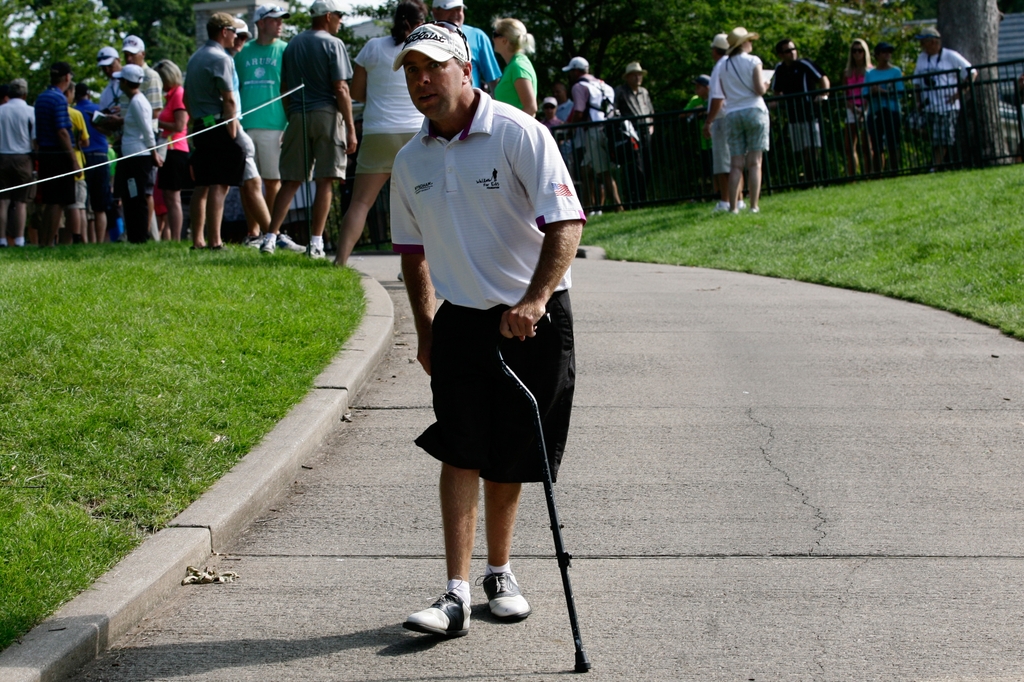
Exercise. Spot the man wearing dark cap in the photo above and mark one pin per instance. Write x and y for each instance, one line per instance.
(883, 88)
(939, 93)
(484, 214)
(57, 157)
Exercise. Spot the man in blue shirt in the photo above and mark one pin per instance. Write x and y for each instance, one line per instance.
(96, 179)
(485, 65)
(56, 152)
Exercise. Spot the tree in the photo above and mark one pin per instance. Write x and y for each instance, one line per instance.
(971, 27)
(72, 31)
(166, 26)
(671, 38)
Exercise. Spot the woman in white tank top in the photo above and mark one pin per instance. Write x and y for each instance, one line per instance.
(743, 84)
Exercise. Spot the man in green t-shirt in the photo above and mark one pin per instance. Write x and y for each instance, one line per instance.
(259, 80)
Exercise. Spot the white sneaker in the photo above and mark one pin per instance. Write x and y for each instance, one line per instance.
(269, 243)
(288, 244)
(756, 209)
(315, 252)
(448, 617)
(721, 206)
(741, 205)
(254, 242)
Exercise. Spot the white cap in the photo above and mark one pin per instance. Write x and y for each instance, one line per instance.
(322, 8)
(271, 11)
(131, 73)
(437, 42)
(549, 100)
(242, 28)
(577, 63)
(107, 56)
(448, 4)
(721, 41)
(133, 44)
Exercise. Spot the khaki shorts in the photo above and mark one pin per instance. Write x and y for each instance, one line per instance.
(325, 131)
(81, 194)
(377, 152)
(15, 169)
(595, 153)
(721, 160)
(268, 152)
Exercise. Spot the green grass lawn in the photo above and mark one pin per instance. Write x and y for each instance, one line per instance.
(953, 241)
(132, 378)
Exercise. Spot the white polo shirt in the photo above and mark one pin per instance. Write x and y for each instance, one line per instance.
(938, 88)
(17, 127)
(476, 205)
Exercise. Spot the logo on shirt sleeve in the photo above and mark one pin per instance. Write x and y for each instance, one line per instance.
(490, 182)
(561, 190)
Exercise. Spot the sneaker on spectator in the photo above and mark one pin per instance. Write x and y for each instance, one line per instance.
(251, 241)
(741, 205)
(755, 210)
(315, 252)
(504, 598)
(448, 617)
(721, 206)
(269, 243)
(287, 243)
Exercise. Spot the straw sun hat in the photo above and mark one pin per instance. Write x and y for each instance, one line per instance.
(738, 36)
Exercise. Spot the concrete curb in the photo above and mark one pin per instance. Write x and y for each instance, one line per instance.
(590, 252)
(119, 599)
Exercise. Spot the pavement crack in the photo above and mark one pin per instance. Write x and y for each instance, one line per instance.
(805, 499)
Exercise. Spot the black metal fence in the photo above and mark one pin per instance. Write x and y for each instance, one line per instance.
(916, 124)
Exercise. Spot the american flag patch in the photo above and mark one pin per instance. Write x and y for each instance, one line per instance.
(561, 190)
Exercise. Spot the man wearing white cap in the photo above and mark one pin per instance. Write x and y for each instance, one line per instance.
(592, 98)
(109, 62)
(259, 77)
(715, 125)
(242, 36)
(548, 107)
(485, 65)
(484, 215)
(318, 58)
(152, 87)
(939, 93)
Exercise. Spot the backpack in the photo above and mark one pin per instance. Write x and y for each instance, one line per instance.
(620, 134)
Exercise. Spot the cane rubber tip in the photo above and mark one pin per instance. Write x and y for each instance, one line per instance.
(582, 662)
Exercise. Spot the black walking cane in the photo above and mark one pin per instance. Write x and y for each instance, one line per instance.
(564, 558)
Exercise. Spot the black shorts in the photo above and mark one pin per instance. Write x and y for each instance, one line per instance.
(97, 180)
(54, 161)
(135, 177)
(483, 421)
(216, 158)
(174, 175)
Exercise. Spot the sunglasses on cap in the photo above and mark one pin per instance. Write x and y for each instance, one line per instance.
(454, 29)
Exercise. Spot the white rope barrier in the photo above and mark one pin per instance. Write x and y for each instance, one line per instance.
(162, 144)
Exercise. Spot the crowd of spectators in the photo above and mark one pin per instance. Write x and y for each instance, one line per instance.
(143, 117)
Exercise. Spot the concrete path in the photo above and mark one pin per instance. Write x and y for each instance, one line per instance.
(765, 480)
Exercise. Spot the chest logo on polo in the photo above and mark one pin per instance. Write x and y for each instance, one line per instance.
(490, 182)
(423, 188)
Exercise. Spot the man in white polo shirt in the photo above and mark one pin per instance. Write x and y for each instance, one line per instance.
(484, 214)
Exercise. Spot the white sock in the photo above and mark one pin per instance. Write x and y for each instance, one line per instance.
(506, 568)
(270, 236)
(3, 241)
(19, 241)
(318, 242)
(459, 587)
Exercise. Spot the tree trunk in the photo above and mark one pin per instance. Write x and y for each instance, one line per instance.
(971, 27)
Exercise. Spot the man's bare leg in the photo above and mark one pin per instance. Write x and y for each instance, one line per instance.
(215, 212)
(460, 492)
(256, 212)
(322, 204)
(501, 502)
(282, 202)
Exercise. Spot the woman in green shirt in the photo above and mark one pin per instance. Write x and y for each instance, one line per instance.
(518, 84)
